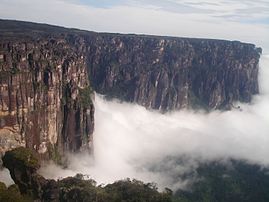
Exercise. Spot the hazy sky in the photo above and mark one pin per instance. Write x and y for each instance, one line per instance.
(245, 20)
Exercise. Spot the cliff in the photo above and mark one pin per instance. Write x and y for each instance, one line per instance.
(47, 74)
(173, 73)
(45, 99)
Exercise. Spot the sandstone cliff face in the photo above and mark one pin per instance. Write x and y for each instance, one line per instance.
(173, 73)
(42, 99)
(47, 73)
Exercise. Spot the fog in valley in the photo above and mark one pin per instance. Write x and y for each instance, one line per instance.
(131, 141)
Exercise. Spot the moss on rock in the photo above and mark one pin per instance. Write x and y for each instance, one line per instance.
(85, 96)
(23, 157)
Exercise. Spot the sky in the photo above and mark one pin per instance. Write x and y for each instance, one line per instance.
(243, 20)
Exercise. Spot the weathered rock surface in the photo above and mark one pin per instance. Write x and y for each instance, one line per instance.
(45, 73)
(173, 73)
(45, 101)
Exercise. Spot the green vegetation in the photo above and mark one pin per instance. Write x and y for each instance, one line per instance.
(136, 191)
(54, 154)
(119, 91)
(66, 98)
(197, 103)
(85, 96)
(14, 71)
(4, 75)
(21, 156)
(235, 182)
(12, 194)
(77, 189)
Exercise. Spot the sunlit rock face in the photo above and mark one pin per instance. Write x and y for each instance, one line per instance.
(47, 74)
(173, 73)
(42, 103)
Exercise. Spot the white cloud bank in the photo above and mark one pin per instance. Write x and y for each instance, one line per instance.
(131, 141)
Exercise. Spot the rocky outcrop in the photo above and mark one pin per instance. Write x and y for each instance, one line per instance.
(23, 166)
(172, 73)
(43, 101)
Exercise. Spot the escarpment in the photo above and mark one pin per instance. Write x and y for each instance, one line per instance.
(45, 101)
(47, 75)
(173, 73)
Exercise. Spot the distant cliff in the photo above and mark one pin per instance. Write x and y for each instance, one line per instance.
(47, 74)
(173, 73)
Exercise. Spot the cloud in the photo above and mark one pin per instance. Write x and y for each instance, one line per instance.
(130, 141)
(170, 6)
(242, 9)
(101, 3)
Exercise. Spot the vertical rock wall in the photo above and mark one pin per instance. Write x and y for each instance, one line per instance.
(43, 105)
(47, 74)
(172, 73)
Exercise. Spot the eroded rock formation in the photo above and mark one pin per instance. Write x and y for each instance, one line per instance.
(47, 74)
(173, 73)
(45, 101)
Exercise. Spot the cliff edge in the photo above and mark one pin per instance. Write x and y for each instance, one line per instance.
(48, 74)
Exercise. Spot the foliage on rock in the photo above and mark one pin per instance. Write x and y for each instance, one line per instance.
(236, 182)
(85, 96)
(75, 189)
(22, 158)
(12, 194)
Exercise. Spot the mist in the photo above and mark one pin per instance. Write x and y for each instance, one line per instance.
(131, 141)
